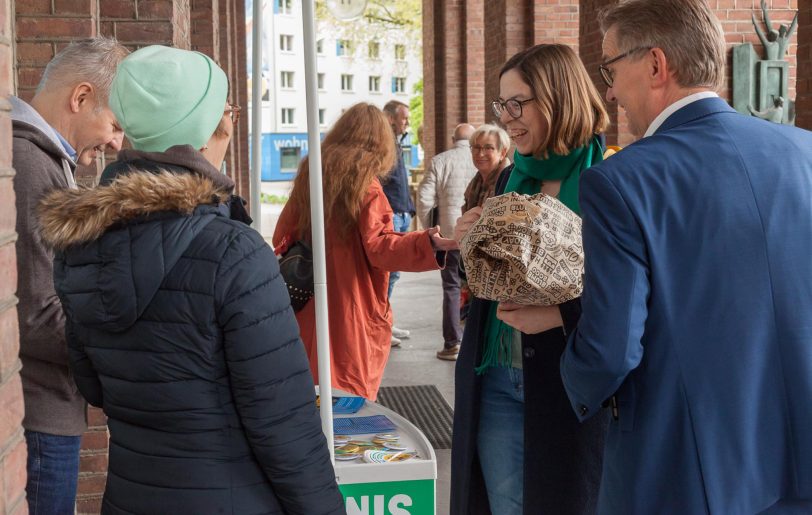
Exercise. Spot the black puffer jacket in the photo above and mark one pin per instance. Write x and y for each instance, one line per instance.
(180, 327)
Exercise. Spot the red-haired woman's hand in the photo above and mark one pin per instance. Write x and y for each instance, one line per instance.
(440, 243)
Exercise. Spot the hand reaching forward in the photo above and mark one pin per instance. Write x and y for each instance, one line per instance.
(465, 222)
(529, 319)
(440, 243)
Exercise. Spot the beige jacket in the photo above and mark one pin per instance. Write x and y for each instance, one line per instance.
(443, 186)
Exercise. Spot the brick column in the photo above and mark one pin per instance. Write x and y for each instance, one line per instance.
(138, 23)
(232, 58)
(477, 106)
(803, 102)
(12, 443)
(556, 22)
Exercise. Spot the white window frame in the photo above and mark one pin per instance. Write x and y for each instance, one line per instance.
(377, 82)
(347, 80)
(286, 42)
(288, 116)
(286, 79)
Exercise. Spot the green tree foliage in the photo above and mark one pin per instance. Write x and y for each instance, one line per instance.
(416, 110)
(383, 20)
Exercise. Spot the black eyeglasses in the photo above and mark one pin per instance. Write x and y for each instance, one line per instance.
(511, 105)
(233, 110)
(608, 75)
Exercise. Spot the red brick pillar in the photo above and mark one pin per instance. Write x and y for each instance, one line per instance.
(12, 443)
(477, 106)
(232, 59)
(556, 22)
(803, 102)
(138, 23)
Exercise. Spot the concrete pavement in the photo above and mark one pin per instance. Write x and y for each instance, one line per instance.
(416, 302)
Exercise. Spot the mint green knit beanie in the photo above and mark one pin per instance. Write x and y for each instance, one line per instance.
(166, 96)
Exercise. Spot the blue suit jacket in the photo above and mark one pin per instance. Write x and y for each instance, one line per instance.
(697, 313)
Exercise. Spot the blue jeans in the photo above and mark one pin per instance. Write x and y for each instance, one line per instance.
(500, 441)
(53, 473)
(402, 222)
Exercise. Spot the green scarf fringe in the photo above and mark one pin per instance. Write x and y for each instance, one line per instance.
(527, 177)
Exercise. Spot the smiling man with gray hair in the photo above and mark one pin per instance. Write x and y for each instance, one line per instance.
(696, 329)
(67, 122)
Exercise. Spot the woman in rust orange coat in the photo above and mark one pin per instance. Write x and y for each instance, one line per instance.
(362, 248)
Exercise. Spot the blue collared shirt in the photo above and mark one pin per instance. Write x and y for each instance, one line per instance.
(68, 148)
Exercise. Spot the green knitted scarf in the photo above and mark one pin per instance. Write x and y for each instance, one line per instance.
(527, 177)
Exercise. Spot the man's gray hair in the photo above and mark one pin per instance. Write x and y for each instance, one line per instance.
(502, 138)
(687, 32)
(91, 60)
(391, 107)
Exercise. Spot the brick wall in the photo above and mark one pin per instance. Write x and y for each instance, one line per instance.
(804, 71)
(512, 25)
(12, 443)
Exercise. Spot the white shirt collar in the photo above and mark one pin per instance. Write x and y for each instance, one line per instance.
(673, 108)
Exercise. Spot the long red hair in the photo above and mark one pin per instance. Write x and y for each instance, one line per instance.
(358, 149)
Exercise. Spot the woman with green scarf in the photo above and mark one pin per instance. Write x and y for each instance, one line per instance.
(518, 447)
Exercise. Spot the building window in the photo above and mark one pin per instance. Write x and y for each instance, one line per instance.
(289, 157)
(287, 116)
(287, 80)
(398, 84)
(320, 47)
(322, 116)
(374, 50)
(343, 47)
(286, 42)
(284, 6)
(374, 84)
(400, 52)
(320, 81)
(346, 82)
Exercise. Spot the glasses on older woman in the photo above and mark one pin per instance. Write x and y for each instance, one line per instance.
(233, 110)
(485, 149)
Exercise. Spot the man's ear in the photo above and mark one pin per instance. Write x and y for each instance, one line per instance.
(658, 67)
(82, 95)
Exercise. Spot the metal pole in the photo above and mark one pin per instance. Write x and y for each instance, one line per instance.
(317, 222)
(256, 116)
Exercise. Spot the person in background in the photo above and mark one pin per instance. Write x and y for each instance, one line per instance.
(178, 321)
(698, 290)
(518, 448)
(362, 248)
(396, 189)
(67, 122)
(441, 192)
(489, 148)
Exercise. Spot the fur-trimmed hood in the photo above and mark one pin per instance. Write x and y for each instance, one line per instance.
(116, 244)
(72, 217)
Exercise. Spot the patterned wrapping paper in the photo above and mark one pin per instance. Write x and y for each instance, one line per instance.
(526, 250)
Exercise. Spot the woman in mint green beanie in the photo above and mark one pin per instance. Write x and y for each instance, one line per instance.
(179, 322)
(518, 447)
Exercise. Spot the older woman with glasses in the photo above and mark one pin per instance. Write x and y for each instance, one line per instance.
(489, 147)
(518, 447)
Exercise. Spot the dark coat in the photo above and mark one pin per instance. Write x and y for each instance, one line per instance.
(562, 460)
(396, 185)
(180, 327)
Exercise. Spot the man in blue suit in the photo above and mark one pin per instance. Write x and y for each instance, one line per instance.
(697, 307)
